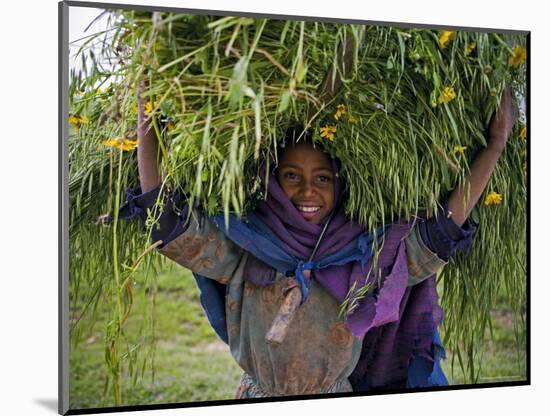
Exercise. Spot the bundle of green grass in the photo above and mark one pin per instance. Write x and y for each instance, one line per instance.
(405, 110)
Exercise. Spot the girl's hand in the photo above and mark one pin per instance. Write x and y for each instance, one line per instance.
(503, 120)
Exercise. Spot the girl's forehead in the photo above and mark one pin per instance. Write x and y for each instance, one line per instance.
(304, 154)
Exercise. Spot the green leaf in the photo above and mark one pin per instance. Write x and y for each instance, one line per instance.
(284, 101)
(301, 71)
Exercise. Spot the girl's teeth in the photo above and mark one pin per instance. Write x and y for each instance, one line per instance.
(309, 209)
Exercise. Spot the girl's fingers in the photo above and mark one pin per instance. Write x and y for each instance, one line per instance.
(507, 111)
(505, 117)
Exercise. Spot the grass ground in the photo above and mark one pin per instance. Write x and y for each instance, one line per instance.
(502, 357)
(192, 364)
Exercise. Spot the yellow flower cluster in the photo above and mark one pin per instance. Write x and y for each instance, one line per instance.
(340, 110)
(493, 199)
(328, 132)
(470, 48)
(518, 56)
(447, 95)
(77, 121)
(445, 38)
(121, 143)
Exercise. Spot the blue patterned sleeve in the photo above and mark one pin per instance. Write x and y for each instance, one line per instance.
(432, 241)
(181, 234)
(166, 210)
(443, 236)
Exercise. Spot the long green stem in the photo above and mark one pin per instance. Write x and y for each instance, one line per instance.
(117, 291)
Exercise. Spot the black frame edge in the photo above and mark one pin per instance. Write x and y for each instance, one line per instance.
(63, 230)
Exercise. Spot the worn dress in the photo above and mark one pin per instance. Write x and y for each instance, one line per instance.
(322, 353)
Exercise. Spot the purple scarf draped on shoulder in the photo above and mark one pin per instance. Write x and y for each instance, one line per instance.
(396, 321)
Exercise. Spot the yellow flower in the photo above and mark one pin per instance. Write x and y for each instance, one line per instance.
(74, 120)
(328, 132)
(148, 107)
(341, 109)
(77, 121)
(459, 149)
(445, 38)
(121, 143)
(523, 133)
(447, 95)
(493, 199)
(519, 56)
(469, 49)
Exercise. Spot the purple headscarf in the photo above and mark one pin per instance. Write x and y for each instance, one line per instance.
(300, 236)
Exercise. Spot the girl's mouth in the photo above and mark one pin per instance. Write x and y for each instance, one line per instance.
(308, 212)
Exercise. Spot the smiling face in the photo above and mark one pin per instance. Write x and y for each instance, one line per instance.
(305, 174)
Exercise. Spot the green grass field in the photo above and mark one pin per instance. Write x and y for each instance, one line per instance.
(192, 365)
(503, 356)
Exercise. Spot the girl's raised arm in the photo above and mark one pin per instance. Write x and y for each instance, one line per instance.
(149, 177)
(460, 203)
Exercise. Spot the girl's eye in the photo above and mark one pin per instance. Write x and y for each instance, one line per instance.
(290, 176)
(325, 179)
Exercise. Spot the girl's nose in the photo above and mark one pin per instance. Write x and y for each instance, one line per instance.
(307, 189)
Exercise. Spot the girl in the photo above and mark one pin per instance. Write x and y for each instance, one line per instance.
(299, 240)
